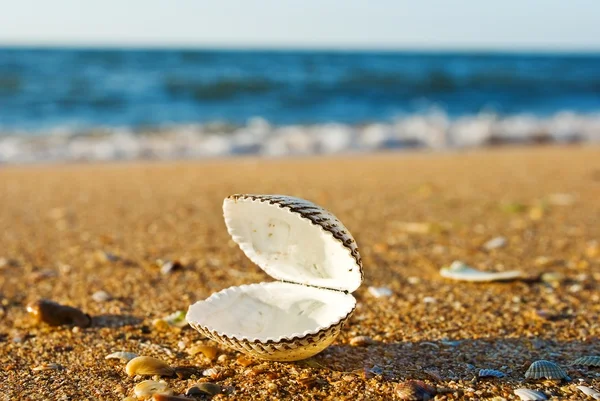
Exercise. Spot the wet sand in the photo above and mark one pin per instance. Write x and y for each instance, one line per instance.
(68, 231)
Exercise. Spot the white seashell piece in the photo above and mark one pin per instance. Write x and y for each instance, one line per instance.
(495, 243)
(318, 263)
(462, 272)
(590, 392)
(380, 292)
(101, 296)
(148, 388)
(526, 394)
(122, 356)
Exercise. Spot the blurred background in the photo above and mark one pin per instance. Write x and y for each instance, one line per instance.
(154, 79)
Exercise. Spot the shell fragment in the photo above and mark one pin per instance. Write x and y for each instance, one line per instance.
(380, 292)
(590, 392)
(526, 394)
(462, 272)
(122, 356)
(587, 361)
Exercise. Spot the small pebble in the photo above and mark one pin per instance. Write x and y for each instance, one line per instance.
(4, 262)
(160, 325)
(122, 356)
(575, 288)
(552, 278)
(46, 366)
(208, 351)
(592, 249)
(536, 212)
(107, 257)
(307, 381)
(18, 338)
(376, 370)
(415, 227)
(56, 314)
(561, 199)
(495, 243)
(176, 319)
(167, 397)
(415, 390)
(169, 266)
(148, 366)
(148, 388)
(245, 361)
(544, 261)
(185, 372)
(203, 388)
(101, 296)
(213, 373)
(380, 292)
(361, 341)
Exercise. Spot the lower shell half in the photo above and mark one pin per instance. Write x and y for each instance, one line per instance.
(274, 321)
(283, 351)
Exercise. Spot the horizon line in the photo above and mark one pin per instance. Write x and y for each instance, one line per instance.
(298, 47)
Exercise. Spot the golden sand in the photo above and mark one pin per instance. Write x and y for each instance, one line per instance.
(68, 231)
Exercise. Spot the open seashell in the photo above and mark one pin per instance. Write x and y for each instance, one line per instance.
(462, 272)
(318, 263)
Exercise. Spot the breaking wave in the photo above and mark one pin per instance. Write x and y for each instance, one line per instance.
(435, 130)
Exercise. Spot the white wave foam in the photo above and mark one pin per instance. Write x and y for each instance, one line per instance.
(435, 130)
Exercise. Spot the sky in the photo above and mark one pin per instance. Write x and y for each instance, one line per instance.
(565, 25)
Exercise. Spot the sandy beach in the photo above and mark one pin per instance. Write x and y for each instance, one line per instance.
(68, 231)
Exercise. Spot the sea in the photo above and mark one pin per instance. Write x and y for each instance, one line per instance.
(77, 104)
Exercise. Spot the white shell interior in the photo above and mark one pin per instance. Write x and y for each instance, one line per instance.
(289, 247)
(271, 311)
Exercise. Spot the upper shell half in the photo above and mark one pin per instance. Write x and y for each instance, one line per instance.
(318, 262)
(294, 240)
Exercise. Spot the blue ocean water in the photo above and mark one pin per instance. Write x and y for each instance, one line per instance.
(41, 89)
